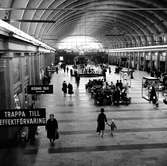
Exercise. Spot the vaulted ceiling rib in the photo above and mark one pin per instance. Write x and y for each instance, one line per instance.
(94, 17)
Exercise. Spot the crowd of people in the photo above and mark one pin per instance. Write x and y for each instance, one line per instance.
(103, 93)
(89, 69)
(67, 88)
(108, 94)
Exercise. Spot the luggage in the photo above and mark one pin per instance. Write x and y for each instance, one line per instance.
(57, 135)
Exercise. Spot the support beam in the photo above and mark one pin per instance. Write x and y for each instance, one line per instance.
(87, 10)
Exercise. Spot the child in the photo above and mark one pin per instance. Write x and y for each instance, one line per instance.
(112, 126)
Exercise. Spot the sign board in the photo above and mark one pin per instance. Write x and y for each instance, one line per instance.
(22, 117)
(40, 89)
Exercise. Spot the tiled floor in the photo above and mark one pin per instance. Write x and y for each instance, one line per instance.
(141, 138)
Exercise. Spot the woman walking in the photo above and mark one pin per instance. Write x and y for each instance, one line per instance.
(101, 122)
(70, 89)
(52, 129)
(64, 88)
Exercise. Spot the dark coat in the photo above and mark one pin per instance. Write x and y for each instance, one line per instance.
(113, 126)
(153, 94)
(101, 122)
(70, 89)
(51, 128)
(64, 88)
(116, 95)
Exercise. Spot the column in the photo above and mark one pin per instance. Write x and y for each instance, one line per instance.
(158, 54)
(145, 59)
(5, 87)
(6, 96)
(37, 69)
(151, 61)
(165, 62)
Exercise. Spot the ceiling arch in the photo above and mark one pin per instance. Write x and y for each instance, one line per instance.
(111, 19)
(81, 13)
(130, 30)
(149, 18)
(138, 19)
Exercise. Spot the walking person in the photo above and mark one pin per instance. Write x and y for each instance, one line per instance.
(152, 93)
(104, 74)
(109, 70)
(67, 69)
(57, 70)
(120, 85)
(101, 120)
(52, 129)
(70, 89)
(77, 78)
(117, 84)
(112, 127)
(153, 96)
(64, 68)
(64, 88)
(117, 96)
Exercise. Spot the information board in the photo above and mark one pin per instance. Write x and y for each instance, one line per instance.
(23, 117)
(40, 89)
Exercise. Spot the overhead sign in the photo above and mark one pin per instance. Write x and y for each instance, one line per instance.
(23, 117)
(40, 89)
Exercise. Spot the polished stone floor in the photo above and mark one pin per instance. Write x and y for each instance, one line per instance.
(141, 138)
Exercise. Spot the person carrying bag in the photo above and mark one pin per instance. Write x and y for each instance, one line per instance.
(52, 129)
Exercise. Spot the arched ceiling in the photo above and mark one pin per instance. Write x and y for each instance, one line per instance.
(115, 23)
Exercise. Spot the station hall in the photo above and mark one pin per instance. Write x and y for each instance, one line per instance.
(83, 83)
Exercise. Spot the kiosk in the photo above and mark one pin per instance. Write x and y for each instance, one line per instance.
(147, 83)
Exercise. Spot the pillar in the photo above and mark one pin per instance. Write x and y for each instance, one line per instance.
(139, 61)
(145, 59)
(151, 61)
(158, 54)
(37, 69)
(6, 98)
(5, 87)
(166, 62)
